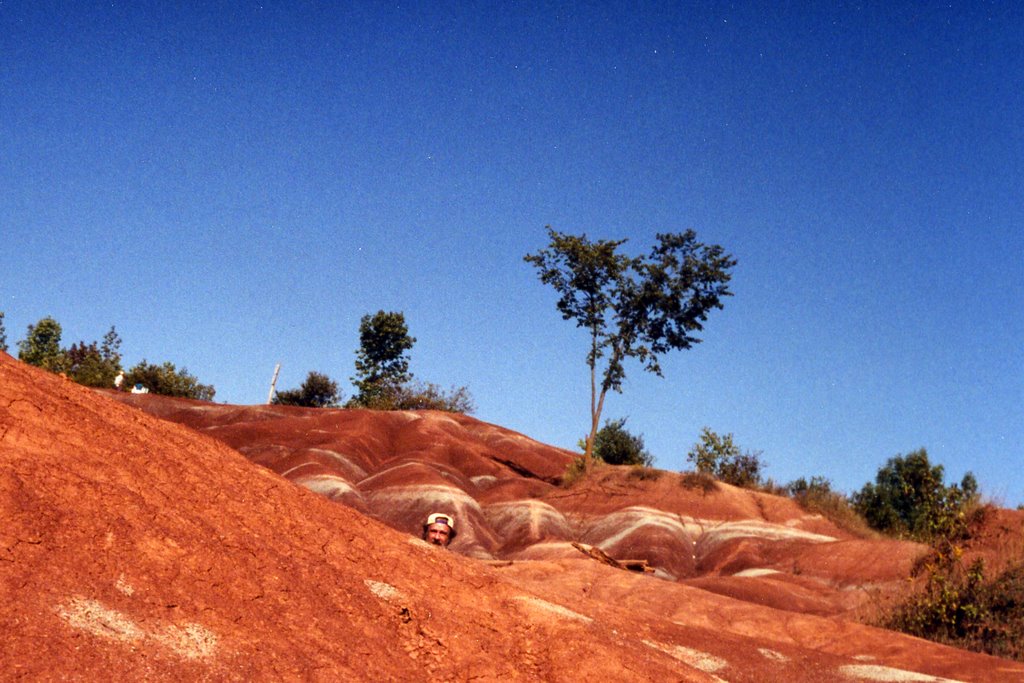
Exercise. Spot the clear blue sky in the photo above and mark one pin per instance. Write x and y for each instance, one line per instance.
(234, 184)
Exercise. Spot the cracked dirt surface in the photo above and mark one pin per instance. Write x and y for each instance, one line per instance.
(166, 546)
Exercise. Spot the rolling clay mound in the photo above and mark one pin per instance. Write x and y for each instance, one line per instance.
(501, 487)
(134, 548)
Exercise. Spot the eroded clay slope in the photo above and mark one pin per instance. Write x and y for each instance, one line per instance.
(138, 549)
(501, 486)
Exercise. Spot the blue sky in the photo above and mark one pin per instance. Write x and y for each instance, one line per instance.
(236, 184)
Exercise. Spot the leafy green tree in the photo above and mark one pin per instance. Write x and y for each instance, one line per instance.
(3, 333)
(638, 307)
(721, 457)
(86, 366)
(169, 381)
(382, 366)
(95, 365)
(318, 391)
(41, 346)
(617, 446)
(909, 498)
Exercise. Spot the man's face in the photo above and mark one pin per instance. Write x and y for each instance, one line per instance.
(439, 534)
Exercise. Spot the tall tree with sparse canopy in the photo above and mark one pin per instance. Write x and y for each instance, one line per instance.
(3, 333)
(637, 307)
(382, 366)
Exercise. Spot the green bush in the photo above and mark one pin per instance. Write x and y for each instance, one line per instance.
(615, 445)
(167, 380)
(318, 391)
(721, 457)
(95, 365)
(958, 605)
(427, 396)
(415, 395)
(949, 606)
(908, 498)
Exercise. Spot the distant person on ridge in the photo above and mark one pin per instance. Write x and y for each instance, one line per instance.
(119, 380)
(439, 529)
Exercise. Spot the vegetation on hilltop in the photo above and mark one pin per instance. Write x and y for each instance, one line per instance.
(317, 391)
(97, 364)
(909, 498)
(616, 445)
(167, 380)
(382, 364)
(720, 457)
(383, 379)
(632, 307)
(817, 496)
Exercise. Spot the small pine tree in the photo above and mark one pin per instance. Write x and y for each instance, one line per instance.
(3, 334)
(382, 366)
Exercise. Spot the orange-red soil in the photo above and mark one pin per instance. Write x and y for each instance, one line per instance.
(147, 538)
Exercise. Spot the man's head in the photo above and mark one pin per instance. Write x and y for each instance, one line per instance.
(439, 529)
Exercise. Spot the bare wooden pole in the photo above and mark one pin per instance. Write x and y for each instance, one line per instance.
(273, 383)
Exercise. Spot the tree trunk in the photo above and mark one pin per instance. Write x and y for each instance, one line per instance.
(595, 405)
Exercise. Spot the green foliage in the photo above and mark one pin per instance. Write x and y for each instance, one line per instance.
(3, 333)
(427, 396)
(95, 365)
(909, 498)
(817, 487)
(721, 457)
(417, 395)
(960, 605)
(382, 371)
(41, 346)
(317, 391)
(950, 606)
(167, 380)
(1002, 632)
(632, 307)
(817, 496)
(381, 364)
(615, 445)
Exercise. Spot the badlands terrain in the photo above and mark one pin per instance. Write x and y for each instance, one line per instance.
(149, 538)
